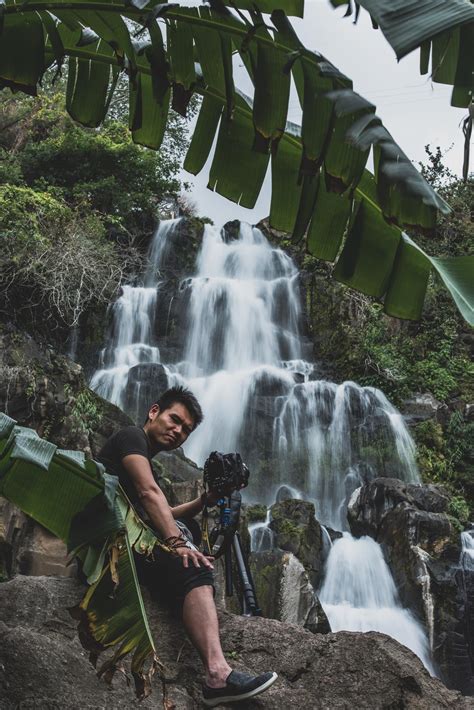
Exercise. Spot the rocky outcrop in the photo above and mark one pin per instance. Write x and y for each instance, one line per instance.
(285, 592)
(28, 548)
(297, 531)
(423, 550)
(48, 392)
(424, 406)
(43, 666)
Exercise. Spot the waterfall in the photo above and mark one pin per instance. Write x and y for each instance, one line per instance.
(246, 360)
(261, 535)
(131, 340)
(467, 550)
(359, 594)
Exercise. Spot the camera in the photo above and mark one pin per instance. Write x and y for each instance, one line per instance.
(225, 473)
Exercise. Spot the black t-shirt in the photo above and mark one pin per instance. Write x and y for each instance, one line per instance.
(131, 440)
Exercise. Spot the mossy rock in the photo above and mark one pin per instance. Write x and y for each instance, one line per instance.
(297, 530)
(256, 513)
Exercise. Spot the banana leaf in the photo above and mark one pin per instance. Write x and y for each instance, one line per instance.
(22, 60)
(445, 26)
(76, 500)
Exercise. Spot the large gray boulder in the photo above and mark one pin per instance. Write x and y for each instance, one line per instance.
(43, 666)
(424, 406)
(285, 592)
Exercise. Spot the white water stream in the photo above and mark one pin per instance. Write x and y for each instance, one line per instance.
(359, 594)
(244, 360)
(467, 550)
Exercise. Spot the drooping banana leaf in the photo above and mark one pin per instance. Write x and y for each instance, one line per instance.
(445, 25)
(76, 500)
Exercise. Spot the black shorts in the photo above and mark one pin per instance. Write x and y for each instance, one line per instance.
(168, 580)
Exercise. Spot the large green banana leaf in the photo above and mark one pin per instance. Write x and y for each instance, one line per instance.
(78, 501)
(320, 186)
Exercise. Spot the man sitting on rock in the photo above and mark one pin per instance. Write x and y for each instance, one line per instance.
(185, 578)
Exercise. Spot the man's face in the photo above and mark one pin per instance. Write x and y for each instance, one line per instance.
(169, 428)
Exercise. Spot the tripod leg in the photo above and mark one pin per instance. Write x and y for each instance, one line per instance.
(250, 604)
(229, 587)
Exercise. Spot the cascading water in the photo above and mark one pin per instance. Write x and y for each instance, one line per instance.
(244, 360)
(467, 550)
(359, 594)
(132, 340)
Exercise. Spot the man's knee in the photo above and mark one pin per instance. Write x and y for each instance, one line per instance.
(204, 592)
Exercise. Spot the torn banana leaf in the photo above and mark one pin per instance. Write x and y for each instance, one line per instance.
(445, 26)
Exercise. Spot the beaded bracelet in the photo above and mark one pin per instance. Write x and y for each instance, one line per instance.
(176, 541)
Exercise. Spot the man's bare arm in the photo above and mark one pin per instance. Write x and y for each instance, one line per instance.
(188, 510)
(156, 506)
(150, 495)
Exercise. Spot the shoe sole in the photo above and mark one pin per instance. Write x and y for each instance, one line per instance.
(212, 702)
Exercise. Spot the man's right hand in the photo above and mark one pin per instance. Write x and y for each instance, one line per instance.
(188, 555)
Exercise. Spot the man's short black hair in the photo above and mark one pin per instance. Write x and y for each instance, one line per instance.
(183, 396)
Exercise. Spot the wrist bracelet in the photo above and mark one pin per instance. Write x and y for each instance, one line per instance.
(175, 541)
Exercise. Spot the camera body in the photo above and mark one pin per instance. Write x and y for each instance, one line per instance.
(225, 473)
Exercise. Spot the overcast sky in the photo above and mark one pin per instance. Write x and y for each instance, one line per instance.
(415, 110)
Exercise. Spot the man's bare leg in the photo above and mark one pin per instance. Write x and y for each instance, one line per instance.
(202, 627)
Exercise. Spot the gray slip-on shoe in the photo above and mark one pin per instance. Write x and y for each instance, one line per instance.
(239, 686)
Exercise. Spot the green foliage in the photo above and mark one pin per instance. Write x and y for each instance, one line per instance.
(446, 455)
(430, 433)
(54, 261)
(102, 171)
(399, 357)
(256, 513)
(29, 216)
(459, 509)
(87, 411)
(75, 206)
(434, 355)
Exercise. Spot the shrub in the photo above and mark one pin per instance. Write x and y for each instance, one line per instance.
(53, 263)
(459, 509)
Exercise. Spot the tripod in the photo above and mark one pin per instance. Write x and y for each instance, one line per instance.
(225, 540)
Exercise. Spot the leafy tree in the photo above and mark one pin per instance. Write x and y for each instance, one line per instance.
(99, 170)
(75, 206)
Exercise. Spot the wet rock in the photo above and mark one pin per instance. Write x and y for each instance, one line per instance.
(272, 384)
(284, 493)
(370, 503)
(43, 666)
(28, 548)
(256, 513)
(424, 406)
(423, 550)
(284, 591)
(297, 531)
(231, 230)
(144, 385)
(48, 392)
(12, 529)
